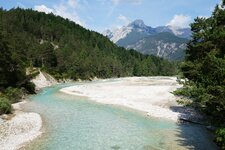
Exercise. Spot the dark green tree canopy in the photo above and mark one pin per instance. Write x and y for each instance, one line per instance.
(205, 63)
(205, 69)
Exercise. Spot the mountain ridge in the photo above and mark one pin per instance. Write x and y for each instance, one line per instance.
(139, 24)
(136, 32)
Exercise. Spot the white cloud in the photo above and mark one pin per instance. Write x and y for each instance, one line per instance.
(123, 19)
(135, 2)
(115, 3)
(180, 21)
(64, 10)
(73, 3)
(120, 21)
(43, 8)
(221, 6)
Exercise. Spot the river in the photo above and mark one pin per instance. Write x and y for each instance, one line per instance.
(73, 122)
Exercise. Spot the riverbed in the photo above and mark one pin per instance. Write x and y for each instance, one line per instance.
(77, 122)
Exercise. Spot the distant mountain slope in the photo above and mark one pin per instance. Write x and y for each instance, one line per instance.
(164, 45)
(164, 41)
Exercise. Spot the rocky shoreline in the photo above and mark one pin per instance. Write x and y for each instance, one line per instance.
(19, 128)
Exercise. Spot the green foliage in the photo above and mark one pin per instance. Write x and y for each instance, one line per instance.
(30, 88)
(205, 68)
(5, 106)
(13, 94)
(220, 138)
(10, 71)
(187, 91)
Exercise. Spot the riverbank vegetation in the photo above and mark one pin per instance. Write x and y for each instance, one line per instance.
(204, 68)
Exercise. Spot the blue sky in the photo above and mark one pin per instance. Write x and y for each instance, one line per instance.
(100, 15)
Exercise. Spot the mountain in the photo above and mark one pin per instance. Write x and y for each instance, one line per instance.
(65, 50)
(138, 27)
(164, 41)
(164, 44)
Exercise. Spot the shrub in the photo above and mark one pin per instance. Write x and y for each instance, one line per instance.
(220, 138)
(13, 94)
(30, 87)
(5, 106)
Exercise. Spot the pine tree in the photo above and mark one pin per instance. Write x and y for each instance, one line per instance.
(205, 67)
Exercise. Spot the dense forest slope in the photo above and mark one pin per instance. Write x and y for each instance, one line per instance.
(64, 49)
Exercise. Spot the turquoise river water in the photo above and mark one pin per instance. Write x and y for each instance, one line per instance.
(75, 123)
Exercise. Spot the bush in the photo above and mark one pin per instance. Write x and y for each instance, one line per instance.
(220, 138)
(5, 106)
(30, 87)
(13, 94)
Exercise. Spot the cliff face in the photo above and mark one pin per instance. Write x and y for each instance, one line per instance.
(42, 80)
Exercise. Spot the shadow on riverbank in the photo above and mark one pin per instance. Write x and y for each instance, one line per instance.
(197, 137)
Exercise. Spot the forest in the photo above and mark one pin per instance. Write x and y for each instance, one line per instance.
(65, 50)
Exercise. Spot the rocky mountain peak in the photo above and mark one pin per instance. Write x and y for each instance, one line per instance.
(137, 23)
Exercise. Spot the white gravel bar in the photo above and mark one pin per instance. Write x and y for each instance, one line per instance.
(148, 94)
(20, 129)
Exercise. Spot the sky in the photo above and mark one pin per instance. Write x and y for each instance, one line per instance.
(99, 15)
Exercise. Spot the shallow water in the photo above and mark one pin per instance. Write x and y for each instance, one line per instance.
(72, 122)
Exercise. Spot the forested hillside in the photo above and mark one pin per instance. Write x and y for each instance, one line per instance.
(205, 68)
(64, 49)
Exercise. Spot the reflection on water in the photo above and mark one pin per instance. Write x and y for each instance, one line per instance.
(72, 122)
